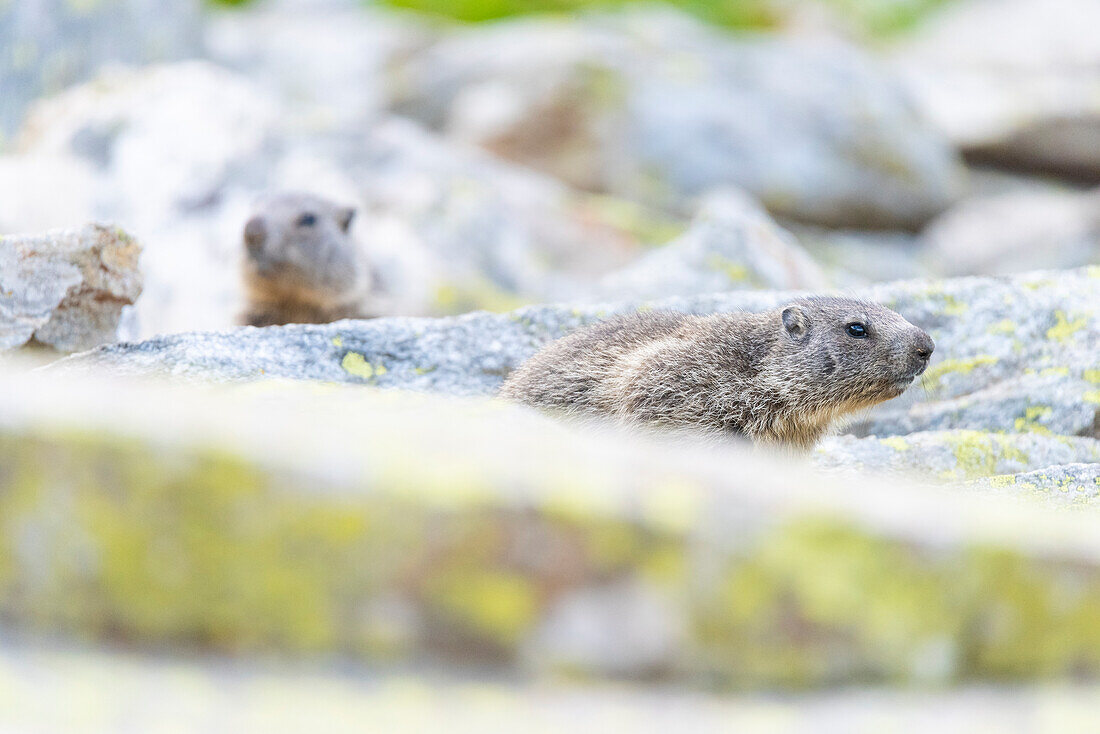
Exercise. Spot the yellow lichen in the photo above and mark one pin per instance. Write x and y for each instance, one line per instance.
(1005, 326)
(357, 365)
(1064, 328)
(960, 366)
(897, 443)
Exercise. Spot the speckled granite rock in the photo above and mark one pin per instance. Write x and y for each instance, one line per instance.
(955, 455)
(307, 519)
(1070, 484)
(655, 106)
(67, 289)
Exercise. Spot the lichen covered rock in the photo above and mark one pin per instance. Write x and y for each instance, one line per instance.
(67, 289)
(387, 526)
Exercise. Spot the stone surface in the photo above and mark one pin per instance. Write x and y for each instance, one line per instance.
(654, 106)
(1016, 82)
(1016, 232)
(311, 520)
(1070, 484)
(50, 44)
(1017, 354)
(732, 244)
(67, 289)
(959, 454)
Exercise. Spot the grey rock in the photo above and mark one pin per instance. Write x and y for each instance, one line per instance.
(1070, 484)
(1016, 82)
(1014, 354)
(955, 455)
(1016, 232)
(731, 244)
(67, 289)
(654, 106)
(50, 44)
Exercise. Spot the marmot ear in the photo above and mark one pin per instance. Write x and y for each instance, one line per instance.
(344, 217)
(794, 321)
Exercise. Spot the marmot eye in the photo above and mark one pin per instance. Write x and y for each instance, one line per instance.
(859, 331)
(307, 220)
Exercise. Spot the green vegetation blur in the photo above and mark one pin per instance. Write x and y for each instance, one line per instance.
(874, 17)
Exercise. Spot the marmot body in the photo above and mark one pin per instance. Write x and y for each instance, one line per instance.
(301, 264)
(779, 377)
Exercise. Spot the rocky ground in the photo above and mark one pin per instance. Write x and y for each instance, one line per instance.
(171, 481)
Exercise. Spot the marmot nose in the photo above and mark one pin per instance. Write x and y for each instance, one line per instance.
(922, 349)
(254, 234)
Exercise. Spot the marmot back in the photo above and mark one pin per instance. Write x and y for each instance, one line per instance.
(301, 264)
(781, 377)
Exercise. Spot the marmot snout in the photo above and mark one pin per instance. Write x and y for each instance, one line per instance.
(779, 377)
(301, 264)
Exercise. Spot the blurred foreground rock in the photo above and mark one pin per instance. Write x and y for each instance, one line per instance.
(389, 526)
(67, 289)
(1014, 82)
(96, 692)
(655, 106)
(50, 44)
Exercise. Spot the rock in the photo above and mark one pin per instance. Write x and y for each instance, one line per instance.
(1016, 232)
(1017, 354)
(1070, 484)
(453, 229)
(50, 44)
(67, 289)
(958, 454)
(732, 244)
(325, 65)
(161, 139)
(1015, 82)
(272, 519)
(654, 106)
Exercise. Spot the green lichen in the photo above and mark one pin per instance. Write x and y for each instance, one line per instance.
(897, 443)
(1029, 422)
(935, 373)
(473, 295)
(356, 364)
(735, 272)
(1092, 396)
(1004, 326)
(1064, 328)
(977, 454)
(1092, 376)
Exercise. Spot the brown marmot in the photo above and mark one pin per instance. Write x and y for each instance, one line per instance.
(301, 264)
(779, 377)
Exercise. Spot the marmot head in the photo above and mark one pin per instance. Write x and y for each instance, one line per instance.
(298, 248)
(850, 353)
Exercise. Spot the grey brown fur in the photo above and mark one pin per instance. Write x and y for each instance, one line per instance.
(779, 377)
(301, 264)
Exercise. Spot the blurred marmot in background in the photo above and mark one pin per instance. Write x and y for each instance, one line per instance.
(779, 377)
(301, 264)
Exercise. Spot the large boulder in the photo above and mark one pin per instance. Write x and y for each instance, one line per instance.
(67, 289)
(1016, 82)
(654, 106)
(50, 44)
(306, 520)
